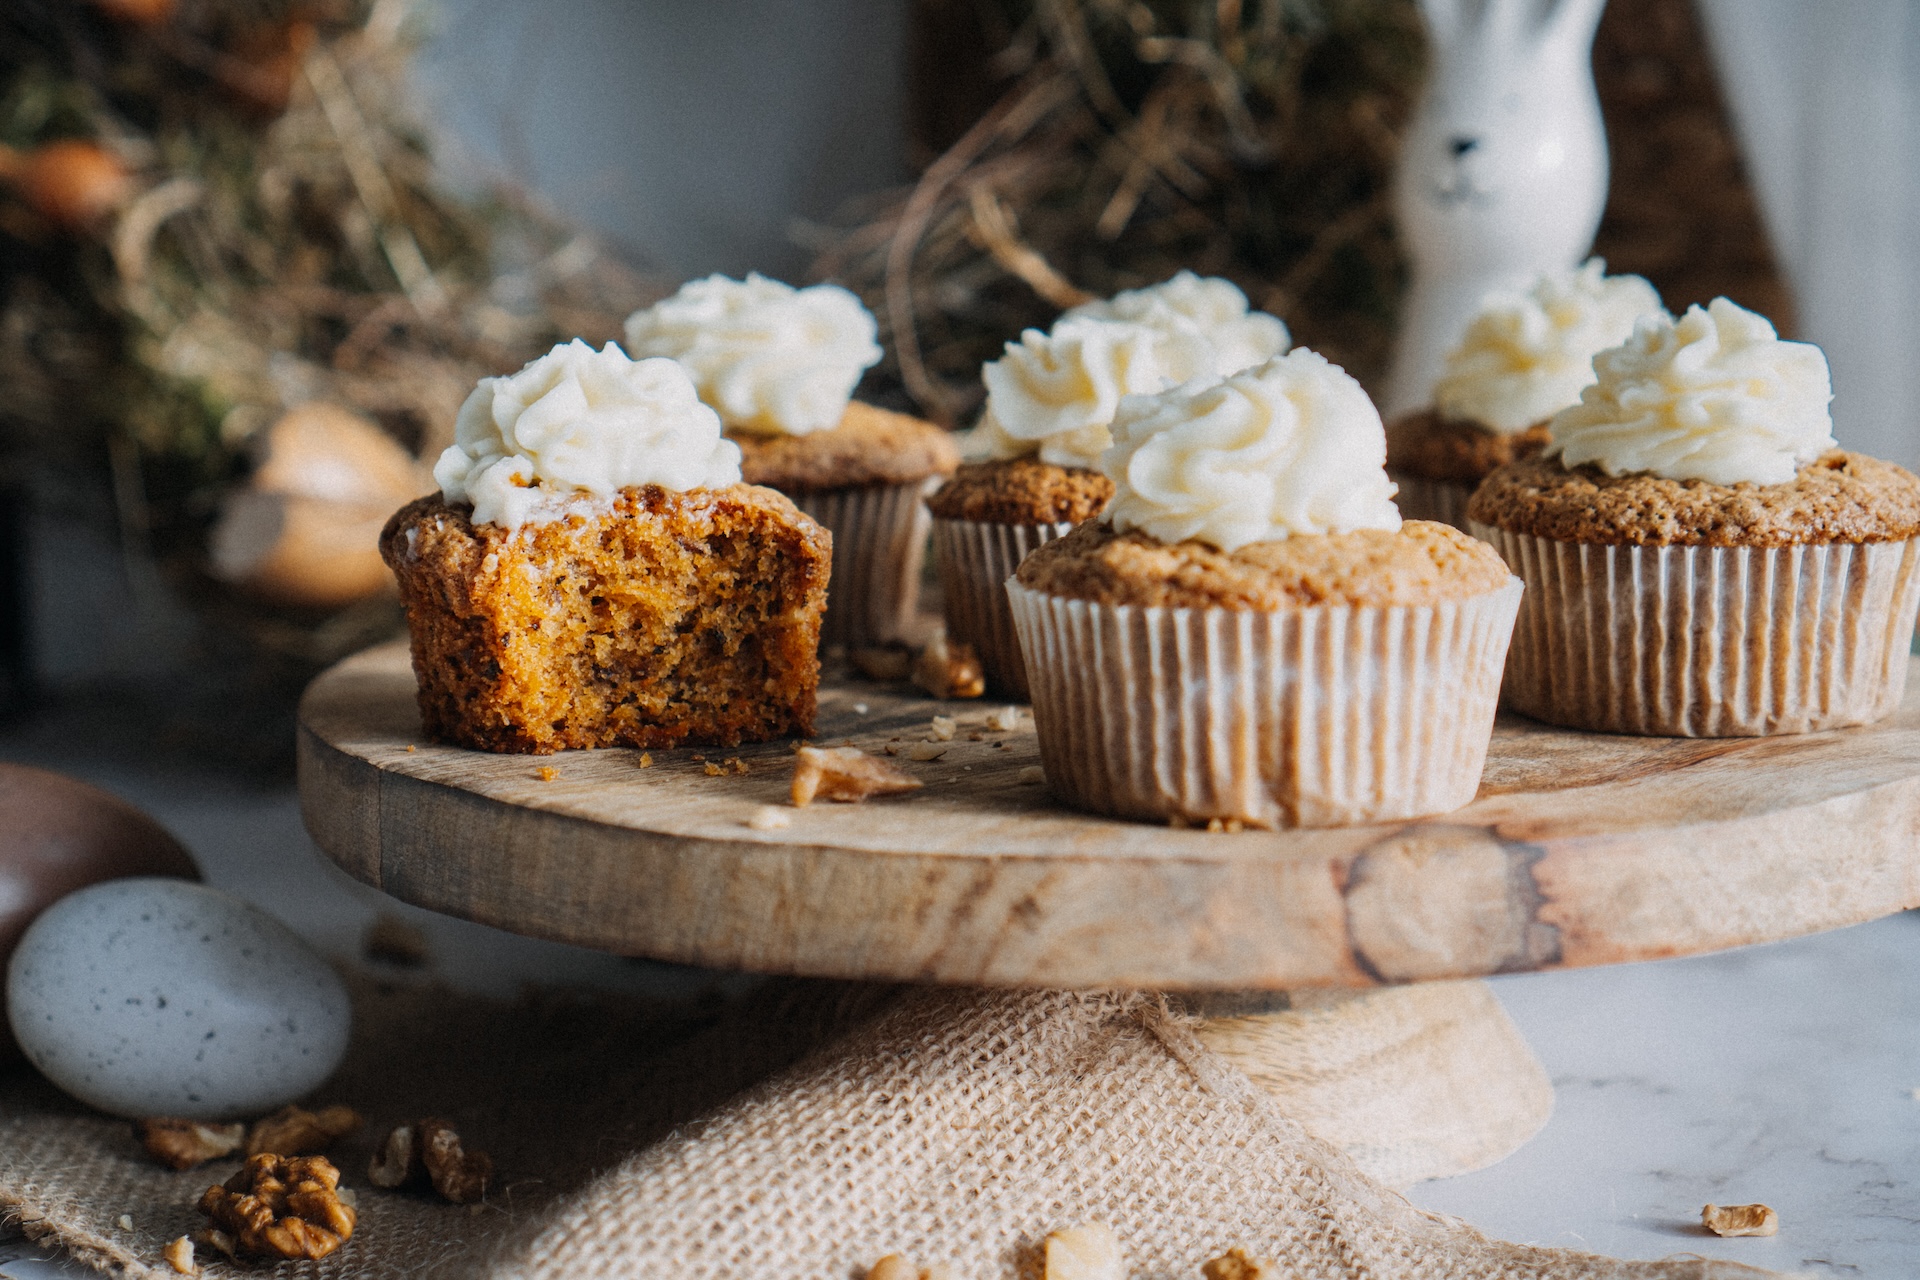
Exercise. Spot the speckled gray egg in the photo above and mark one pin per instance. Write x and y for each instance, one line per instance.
(153, 997)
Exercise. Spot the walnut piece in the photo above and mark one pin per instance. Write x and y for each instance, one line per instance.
(182, 1144)
(281, 1207)
(459, 1175)
(896, 1267)
(948, 669)
(431, 1149)
(396, 1161)
(1087, 1252)
(847, 775)
(1740, 1219)
(179, 1256)
(1234, 1264)
(292, 1131)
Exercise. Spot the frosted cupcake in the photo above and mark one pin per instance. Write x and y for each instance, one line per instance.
(1524, 357)
(779, 366)
(1049, 400)
(1700, 558)
(1250, 634)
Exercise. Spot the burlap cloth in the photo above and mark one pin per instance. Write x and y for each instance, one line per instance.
(803, 1132)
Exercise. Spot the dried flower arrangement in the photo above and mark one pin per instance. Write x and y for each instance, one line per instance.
(216, 211)
(1253, 139)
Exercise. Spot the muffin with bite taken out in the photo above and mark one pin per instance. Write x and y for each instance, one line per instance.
(779, 365)
(593, 573)
(1250, 634)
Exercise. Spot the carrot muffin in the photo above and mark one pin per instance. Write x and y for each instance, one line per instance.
(593, 573)
(1049, 399)
(1250, 633)
(1701, 559)
(1524, 357)
(779, 366)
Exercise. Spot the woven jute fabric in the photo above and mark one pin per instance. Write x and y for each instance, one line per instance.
(803, 1132)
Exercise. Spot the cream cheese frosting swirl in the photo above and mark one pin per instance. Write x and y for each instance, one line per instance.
(770, 358)
(580, 421)
(1053, 394)
(1714, 396)
(1291, 447)
(1212, 307)
(1526, 356)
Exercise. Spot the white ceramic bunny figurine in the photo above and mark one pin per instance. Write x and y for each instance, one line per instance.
(1504, 171)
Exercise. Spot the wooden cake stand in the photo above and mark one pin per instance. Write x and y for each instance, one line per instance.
(1580, 849)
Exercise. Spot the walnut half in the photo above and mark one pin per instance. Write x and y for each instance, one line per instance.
(844, 774)
(281, 1207)
(182, 1144)
(431, 1148)
(292, 1131)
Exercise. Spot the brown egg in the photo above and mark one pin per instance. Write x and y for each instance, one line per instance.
(58, 834)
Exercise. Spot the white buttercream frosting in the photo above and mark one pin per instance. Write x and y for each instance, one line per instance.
(768, 357)
(1713, 396)
(1526, 356)
(579, 421)
(1054, 393)
(1292, 446)
(1210, 306)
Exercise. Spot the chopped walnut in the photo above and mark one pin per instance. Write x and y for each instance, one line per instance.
(1031, 774)
(1087, 1252)
(1740, 1219)
(940, 729)
(1004, 720)
(924, 751)
(292, 1131)
(712, 770)
(1229, 825)
(281, 1207)
(896, 1267)
(736, 764)
(1234, 1264)
(431, 1148)
(179, 1256)
(845, 774)
(646, 759)
(949, 669)
(882, 664)
(182, 1144)
(214, 1238)
(396, 1161)
(547, 773)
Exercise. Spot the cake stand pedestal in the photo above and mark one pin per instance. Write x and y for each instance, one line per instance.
(1580, 849)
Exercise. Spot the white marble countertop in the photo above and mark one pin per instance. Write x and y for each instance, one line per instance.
(1785, 1074)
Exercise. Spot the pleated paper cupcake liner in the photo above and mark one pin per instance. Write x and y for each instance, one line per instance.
(879, 544)
(1709, 642)
(976, 558)
(1422, 499)
(1309, 717)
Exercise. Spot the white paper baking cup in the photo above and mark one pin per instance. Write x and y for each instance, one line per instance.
(1709, 642)
(1310, 717)
(1422, 499)
(976, 558)
(879, 544)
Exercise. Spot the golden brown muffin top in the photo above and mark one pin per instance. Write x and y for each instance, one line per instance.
(1434, 448)
(448, 527)
(1422, 563)
(1022, 491)
(1839, 497)
(871, 446)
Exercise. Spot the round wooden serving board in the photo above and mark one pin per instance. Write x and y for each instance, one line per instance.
(1581, 849)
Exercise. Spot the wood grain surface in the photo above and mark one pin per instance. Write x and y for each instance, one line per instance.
(1581, 849)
